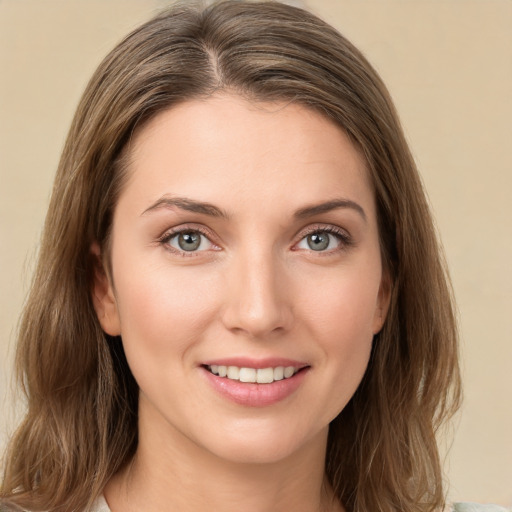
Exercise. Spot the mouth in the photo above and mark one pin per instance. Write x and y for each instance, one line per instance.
(254, 375)
(253, 383)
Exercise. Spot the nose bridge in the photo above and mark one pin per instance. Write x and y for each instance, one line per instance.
(257, 302)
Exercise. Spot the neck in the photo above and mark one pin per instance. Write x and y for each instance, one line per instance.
(177, 474)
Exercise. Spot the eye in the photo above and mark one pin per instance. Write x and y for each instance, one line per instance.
(319, 241)
(324, 240)
(188, 240)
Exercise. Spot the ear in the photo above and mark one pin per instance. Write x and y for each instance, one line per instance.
(103, 297)
(383, 301)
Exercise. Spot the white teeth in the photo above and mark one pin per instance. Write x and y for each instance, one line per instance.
(260, 375)
(289, 371)
(265, 376)
(247, 375)
(233, 372)
(279, 373)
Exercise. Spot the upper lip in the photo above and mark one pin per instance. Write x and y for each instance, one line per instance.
(247, 362)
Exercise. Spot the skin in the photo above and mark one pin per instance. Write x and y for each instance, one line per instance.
(254, 288)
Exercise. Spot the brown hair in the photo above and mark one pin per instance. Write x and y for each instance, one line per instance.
(81, 423)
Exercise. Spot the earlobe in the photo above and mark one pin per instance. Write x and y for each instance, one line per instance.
(383, 302)
(103, 297)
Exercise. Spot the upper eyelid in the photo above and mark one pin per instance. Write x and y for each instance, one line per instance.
(207, 232)
(319, 227)
(170, 232)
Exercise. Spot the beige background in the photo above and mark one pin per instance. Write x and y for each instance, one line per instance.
(448, 64)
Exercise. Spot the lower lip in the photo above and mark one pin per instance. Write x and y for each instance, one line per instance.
(252, 394)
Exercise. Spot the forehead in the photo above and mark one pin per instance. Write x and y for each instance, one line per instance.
(252, 151)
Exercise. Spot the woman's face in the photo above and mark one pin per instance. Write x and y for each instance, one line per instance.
(244, 242)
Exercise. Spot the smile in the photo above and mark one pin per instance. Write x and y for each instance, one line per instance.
(254, 375)
(255, 383)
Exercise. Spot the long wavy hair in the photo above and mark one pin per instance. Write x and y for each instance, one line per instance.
(81, 421)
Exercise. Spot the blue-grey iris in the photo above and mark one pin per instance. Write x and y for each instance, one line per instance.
(318, 241)
(189, 241)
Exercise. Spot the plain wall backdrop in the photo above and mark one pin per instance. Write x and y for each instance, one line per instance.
(448, 65)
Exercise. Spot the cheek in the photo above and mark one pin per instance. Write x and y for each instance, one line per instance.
(347, 334)
(343, 304)
(340, 317)
(163, 310)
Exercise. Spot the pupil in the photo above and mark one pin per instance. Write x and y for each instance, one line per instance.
(318, 242)
(189, 241)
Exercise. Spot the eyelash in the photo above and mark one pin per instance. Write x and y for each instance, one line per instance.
(345, 240)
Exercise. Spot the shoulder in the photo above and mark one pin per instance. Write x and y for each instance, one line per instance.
(100, 505)
(477, 507)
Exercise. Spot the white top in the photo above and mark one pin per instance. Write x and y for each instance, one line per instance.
(476, 507)
(101, 506)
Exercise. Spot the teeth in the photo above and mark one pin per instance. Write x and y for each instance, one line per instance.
(289, 371)
(233, 372)
(265, 375)
(279, 373)
(260, 375)
(247, 375)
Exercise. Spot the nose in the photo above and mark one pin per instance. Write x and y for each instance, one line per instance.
(257, 296)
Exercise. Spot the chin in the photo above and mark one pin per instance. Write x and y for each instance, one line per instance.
(264, 444)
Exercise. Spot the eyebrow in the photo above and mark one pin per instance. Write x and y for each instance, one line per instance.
(187, 204)
(205, 208)
(334, 204)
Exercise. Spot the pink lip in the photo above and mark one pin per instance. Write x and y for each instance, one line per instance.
(252, 394)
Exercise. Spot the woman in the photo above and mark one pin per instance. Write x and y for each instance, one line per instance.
(240, 301)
